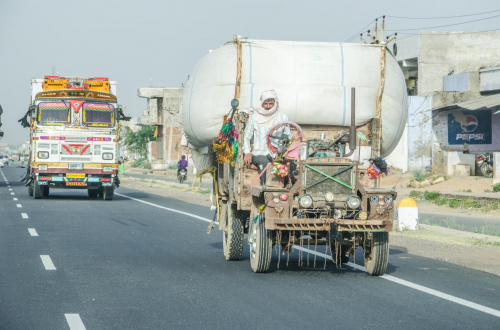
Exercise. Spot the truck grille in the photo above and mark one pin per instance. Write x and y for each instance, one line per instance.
(317, 186)
(75, 159)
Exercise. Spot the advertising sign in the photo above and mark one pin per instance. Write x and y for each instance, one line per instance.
(471, 127)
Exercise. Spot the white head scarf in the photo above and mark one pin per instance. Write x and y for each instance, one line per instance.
(263, 117)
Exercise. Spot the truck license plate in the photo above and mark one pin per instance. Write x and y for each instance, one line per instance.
(75, 166)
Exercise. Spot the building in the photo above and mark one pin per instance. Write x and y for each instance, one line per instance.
(163, 107)
(453, 79)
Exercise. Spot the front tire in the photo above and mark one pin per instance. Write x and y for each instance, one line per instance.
(108, 193)
(376, 253)
(261, 244)
(487, 170)
(232, 234)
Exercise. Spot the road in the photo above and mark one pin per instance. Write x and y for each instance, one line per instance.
(145, 262)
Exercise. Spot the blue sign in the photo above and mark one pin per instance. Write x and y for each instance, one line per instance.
(469, 126)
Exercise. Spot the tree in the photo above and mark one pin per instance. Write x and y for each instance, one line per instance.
(136, 141)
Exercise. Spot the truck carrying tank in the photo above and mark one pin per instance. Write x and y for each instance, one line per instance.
(312, 79)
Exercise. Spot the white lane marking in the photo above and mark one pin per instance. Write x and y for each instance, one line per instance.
(74, 321)
(47, 262)
(19, 205)
(24, 215)
(433, 292)
(10, 189)
(166, 208)
(418, 287)
(32, 232)
(14, 199)
(12, 193)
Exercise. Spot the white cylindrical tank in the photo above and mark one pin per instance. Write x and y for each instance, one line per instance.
(312, 79)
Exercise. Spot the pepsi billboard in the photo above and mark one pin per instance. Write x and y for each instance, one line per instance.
(471, 127)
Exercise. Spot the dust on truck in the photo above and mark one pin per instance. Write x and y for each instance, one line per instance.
(347, 103)
(74, 131)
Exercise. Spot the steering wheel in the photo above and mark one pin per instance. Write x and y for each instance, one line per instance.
(295, 131)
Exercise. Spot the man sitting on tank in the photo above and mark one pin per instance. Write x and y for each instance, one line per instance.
(258, 125)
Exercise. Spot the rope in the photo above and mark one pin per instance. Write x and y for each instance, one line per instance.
(212, 171)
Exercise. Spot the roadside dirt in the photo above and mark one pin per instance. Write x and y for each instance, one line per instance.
(459, 248)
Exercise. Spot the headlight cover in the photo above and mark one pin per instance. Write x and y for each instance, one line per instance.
(43, 154)
(373, 199)
(305, 201)
(107, 156)
(388, 199)
(353, 202)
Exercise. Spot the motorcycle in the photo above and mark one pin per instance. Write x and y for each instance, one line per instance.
(485, 163)
(182, 176)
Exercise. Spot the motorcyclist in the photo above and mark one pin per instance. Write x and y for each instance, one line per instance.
(182, 165)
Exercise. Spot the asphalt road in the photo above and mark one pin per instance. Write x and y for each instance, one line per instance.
(70, 262)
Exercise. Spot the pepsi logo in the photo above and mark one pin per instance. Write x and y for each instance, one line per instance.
(471, 125)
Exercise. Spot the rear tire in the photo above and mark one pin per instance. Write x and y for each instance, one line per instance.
(108, 193)
(377, 253)
(232, 234)
(45, 191)
(261, 244)
(37, 191)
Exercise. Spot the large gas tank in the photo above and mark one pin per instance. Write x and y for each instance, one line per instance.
(312, 79)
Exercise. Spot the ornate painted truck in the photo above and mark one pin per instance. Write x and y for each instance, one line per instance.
(74, 130)
(349, 103)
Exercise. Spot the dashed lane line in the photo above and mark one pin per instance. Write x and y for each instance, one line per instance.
(24, 215)
(74, 321)
(14, 199)
(32, 232)
(19, 205)
(47, 262)
(393, 279)
(12, 193)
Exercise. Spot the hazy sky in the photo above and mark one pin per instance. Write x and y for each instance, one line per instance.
(158, 42)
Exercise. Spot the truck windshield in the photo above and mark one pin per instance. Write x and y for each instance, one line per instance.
(98, 114)
(53, 113)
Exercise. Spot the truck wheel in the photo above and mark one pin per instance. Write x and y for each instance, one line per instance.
(37, 191)
(30, 189)
(261, 245)
(93, 193)
(100, 192)
(232, 235)
(45, 191)
(376, 253)
(107, 193)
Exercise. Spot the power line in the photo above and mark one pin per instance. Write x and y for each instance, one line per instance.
(444, 17)
(357, 33)
(440, 26)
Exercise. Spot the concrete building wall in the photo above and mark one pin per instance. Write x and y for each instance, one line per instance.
(454, 52)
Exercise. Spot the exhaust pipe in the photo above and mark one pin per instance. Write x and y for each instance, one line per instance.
(352, 129)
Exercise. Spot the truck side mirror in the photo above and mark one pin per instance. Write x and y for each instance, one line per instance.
(234, 103)
(1, 134)
(32, 111)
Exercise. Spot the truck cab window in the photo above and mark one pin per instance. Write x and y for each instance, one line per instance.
(53, 113)
(98, 114)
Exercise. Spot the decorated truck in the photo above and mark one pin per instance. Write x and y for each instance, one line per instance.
(74, 130)
(347, 106)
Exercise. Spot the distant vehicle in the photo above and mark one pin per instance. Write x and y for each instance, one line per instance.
(2, 163)
(5, 159)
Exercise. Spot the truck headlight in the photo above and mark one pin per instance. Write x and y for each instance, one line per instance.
(329, 197)
(353, 202)
(107, 156)
(388, 199)
(305, 201)
(43, 154)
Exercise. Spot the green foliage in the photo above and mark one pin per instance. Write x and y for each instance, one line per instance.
(496, 188)
(172, 167)
(415, 194)
(440, 201)
(431, 195)
(418, 175)
(136, 163)
(137, 141)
